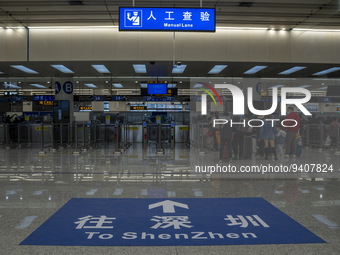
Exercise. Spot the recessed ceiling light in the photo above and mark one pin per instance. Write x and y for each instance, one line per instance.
(217, 69)
(179, 68)
(24, 69)
(62, 68)
(327, 71)
(90, 85)
(139, 68)
(10, 85)
(255, 69)
(292, 70)
(38, 86)
(198, 85)
(117, 85)
(101, 68)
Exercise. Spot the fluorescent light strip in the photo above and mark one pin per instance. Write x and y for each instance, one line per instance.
(323, 88)
(327, 71)
(179, 69)
(86, 27)
(117, 85)
(72, 27)
(90, 85)
(139, 68)
(38, 86)
(277, 86)
(281, 79)
(231, 28)
(172, 85)
(292, 70)
(101, 68)
(305, 86)
(62, 68)
(243, 28)
(143, 85)
(316, 30)
(24, 69)
(217, 69)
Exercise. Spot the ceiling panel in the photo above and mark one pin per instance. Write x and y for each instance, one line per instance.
(292, 13)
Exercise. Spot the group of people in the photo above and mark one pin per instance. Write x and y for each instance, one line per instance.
(273, 141)
(279, 140)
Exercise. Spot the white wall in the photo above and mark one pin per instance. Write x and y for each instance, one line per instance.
(13, 44)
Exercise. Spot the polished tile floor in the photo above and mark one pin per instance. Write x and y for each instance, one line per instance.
(33, 187)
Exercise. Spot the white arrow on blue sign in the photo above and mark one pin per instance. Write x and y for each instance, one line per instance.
(168, 206)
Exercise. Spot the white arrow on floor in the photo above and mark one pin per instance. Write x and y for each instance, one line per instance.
(168, 206)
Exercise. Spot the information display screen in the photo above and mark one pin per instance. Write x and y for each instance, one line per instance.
(138, 108)
(157, 88)
(166, 19)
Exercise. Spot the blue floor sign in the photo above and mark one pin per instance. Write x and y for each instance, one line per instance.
(156, 222)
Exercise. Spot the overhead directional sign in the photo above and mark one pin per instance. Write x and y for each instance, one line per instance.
(163, 222)
(166, 19)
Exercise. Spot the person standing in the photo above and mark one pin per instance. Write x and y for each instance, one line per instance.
(225, 145)
(267, 134)
(280, 141)
(293, 121)
(333, 131)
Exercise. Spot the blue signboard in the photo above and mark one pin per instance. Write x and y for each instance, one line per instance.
(43, 98)
(57, 87)
(118, 98)
(159, 99)
(97, 98)
(163, 222)
(68, 87)
(17, 99)
(166, 19)
(157, 88)
(37, 113)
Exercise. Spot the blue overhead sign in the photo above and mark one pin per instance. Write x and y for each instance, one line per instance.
(43, 98)
(166, 19)
(163, 222)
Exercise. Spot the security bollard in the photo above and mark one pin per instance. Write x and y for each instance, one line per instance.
(337, 151)
(52, 149)
(118, 150)
(42, 139)
(61, 136)
(19, 135)
(201, 146)
(159, 140)
(76, 152)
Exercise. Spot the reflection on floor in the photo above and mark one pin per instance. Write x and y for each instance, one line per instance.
(34, 186)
